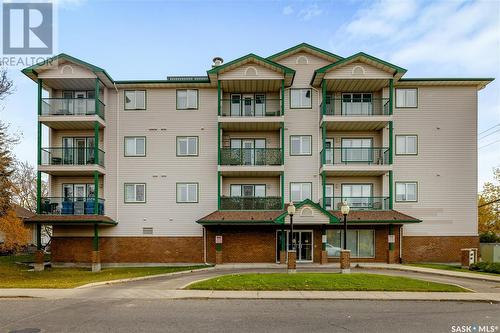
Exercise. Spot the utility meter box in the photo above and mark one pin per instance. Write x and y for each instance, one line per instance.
(469, 257)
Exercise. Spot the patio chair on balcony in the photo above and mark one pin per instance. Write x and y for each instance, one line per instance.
(67, 208)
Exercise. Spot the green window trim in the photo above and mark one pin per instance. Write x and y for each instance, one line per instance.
(396, 98)
(134, 137)
(187, 108)
(405, 154)
(135, 109)
(290, 190)
(134, 202)
(177, 154)
(290, 98)
(405, 182)
(187, 183)
(290, 145)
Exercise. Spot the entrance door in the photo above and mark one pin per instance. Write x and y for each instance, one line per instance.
(80, 144)
(304, 245)
(248, 152)
(80, 102)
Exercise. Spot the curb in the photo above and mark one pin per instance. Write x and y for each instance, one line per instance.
(140, 278)
(434, 271)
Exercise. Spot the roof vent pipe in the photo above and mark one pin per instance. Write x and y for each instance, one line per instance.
(217, 61)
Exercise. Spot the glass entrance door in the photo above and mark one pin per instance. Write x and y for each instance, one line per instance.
(304, 245)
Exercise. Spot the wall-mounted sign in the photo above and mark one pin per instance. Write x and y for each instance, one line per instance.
(391, 239)
(218, 239)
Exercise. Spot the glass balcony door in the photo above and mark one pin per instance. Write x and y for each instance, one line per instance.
(357, 104)
(357, 150)
(328, 197)
(248, 106)
(328, 151)
(358, 195)
(80, 102)
(235, 105)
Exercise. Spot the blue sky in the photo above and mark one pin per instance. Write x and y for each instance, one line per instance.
(150, 40)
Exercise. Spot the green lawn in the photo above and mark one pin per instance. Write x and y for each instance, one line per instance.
(18, 276)
(320, 281)
(450, 267)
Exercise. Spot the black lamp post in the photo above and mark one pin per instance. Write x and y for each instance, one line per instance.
(291, 211)
(345, 211)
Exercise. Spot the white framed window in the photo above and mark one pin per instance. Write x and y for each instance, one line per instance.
(187, 192)
(300, 144)
(135, 146)
(357, 150)
(406, 97)
(187, 99)
(135, 99)
(406, 191)
(187, 146)
(300, 98)
(135, 193)
(360, 242)
(247, 190)
(406, 145)
(300, 191)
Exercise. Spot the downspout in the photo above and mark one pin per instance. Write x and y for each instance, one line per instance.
(205, 245)
(117, 148)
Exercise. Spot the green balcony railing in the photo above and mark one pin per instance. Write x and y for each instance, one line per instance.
(351, 106)
(250, 203)
(357, 203)
(71, 206)
(71, 156)
(352, 155)
(72, 107)
(250, 107)
(250, 156)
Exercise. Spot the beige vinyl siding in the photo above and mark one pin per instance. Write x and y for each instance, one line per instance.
(58, 181)
(245, 72)
(346, 72)
(445, 167)
(67, 71)
(303, 169)
(272, 184)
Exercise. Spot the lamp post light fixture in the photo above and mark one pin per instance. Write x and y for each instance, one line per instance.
(345, 211)
(291, 211)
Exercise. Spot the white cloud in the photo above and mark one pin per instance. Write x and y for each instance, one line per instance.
(309, 12)
(288, 10)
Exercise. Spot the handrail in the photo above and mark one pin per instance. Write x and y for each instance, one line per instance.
(70, 156)
(348, 106)
(250, 203)
(357, 203)
(72, 107)
(250, 156)
(248, 107)
(71, 205)
(347, 155)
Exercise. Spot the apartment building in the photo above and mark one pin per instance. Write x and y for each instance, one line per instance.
(201, 169)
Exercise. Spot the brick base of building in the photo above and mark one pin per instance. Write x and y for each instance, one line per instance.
(436, 248)
(129, 249)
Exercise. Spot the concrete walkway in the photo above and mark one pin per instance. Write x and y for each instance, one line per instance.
(169, 287)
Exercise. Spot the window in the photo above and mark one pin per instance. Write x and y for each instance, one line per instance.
(247, 190)
(300, 144)
(135, 146)
(360, 242)
(187, 192)
(135, 193)
(300, 98)
(328, 200)
(187, 99)
(187, 146)
(406, 191)
(406, 98)
(357, 104)
(357, 150)
(147, 231)
(358, 196)
(406, 145)
(135, 99)
(300, 191)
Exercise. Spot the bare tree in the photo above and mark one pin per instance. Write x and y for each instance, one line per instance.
(24, 185)
(6, 84)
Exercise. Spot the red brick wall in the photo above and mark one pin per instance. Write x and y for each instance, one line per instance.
(129, 249)
(436, 248)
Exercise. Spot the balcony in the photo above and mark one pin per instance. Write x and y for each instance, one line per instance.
(250, 161)
(356, 113)
(352, 161)
(357, 203)
(250, 203)
(71, 206)
(72, 113)
(71, 161)
(250, 114)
